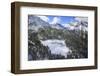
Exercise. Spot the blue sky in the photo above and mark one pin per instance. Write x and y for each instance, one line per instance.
(62, 19)
(58, 19)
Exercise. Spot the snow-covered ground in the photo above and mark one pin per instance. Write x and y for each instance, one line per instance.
(57, 46)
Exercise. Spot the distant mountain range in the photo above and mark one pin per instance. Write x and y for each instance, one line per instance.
(35, 23)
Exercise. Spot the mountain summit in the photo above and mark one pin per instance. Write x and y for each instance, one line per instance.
(36, 22)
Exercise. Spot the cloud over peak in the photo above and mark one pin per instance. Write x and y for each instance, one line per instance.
(81, 19)
(55, 20)
(44, 18)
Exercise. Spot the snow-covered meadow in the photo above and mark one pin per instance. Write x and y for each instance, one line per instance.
(57, 46)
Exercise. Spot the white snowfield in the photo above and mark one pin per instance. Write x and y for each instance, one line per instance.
(57, 46)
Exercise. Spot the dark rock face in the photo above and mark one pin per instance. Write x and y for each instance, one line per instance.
(76, 40)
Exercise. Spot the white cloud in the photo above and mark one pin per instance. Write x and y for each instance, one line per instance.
(81, 19)
(55, 20)
(44, 18)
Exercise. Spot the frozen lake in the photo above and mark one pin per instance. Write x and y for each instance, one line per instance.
(57, 46)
